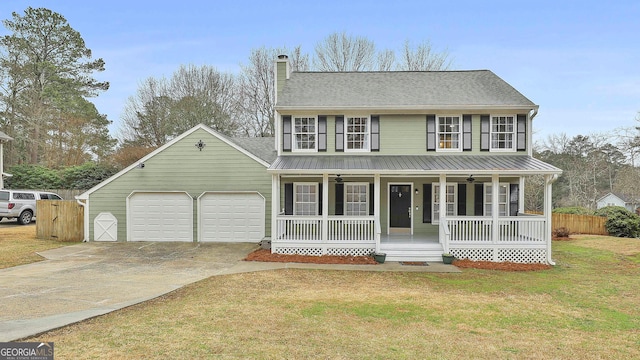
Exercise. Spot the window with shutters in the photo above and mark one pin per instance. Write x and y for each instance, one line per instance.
(305, 199)
(356, 199)
(305, 134)
(451, 201)
(449, 133)
(503, 129)
(503, 199)
(357, 133)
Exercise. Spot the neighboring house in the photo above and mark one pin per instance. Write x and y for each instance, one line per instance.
(615, 199)
(3, 138)
(412, 164)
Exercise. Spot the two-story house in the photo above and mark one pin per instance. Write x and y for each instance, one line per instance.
(412, 164)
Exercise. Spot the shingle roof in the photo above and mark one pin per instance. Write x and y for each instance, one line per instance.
(262, 147)
(399, 89)
(422, 164)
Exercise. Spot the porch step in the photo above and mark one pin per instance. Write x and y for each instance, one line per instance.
(412, 252)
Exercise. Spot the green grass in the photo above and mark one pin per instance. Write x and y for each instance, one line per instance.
(587, 306)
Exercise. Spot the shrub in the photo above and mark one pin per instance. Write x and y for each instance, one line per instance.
(576, 210)
(561, 232)
(622, 223)
(609, 210)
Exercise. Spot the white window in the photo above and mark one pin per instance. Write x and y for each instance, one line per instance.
(305, 199)
(451, 201)
(449, 133)
(503, 133)
(503, 199)
(356, 197)
(357, 134)
(304, 133)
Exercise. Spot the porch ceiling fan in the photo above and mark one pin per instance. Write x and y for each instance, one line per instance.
(338, 178)
(470, 179)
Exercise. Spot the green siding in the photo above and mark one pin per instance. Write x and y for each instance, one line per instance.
(182, 167)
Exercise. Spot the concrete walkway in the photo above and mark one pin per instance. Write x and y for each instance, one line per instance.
(86, 280)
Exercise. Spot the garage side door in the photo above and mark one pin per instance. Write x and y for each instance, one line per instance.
(231, 217)
(160, 216)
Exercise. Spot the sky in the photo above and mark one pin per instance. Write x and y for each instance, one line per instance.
(578, 60)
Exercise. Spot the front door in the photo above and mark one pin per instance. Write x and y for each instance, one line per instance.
(400, 208)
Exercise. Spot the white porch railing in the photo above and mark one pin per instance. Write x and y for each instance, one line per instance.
(515, 239)
(346, 235)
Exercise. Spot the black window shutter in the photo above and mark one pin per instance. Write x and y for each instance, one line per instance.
(466, 133)
(339, 199)
(522, 132)
(322, 133)
(371, 191)
(319, 198)
(286, 133)
(478, 204)
(431, 133)
(513, 199)
(288, 199)
(426, 203)
(462, 199)
(340, 133)
(485, 128)
(375, 133)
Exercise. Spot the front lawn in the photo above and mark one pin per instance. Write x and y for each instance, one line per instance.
(19, 246)
(586, 307)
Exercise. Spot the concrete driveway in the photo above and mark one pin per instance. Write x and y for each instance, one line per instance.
(90, 279)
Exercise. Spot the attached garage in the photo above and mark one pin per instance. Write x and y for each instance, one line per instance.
(231, 217)
(160, 216)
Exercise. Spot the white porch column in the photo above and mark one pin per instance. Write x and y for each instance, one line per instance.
(376, 210)
(548, 187)
(521, 204)
(442, 207)
(495, 212)
(325, 212)
(275, 207)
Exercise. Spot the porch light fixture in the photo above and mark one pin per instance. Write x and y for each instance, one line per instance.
(417, 191)
(200, 145)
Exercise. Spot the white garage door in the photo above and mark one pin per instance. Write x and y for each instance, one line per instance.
(160, 216)
(231, 217)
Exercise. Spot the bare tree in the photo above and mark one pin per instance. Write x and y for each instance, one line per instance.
(386, 59)
(423, 58)
(342, 52)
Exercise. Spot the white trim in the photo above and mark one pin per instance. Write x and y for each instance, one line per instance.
(419, 109)
(133, 166)
(415, 172)
(459, 133)
(514, 133)
(294, 142)
(389, 184)
(367, 137)
(199, 207)
(128, 213)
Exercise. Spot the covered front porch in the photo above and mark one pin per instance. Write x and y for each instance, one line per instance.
(348, 212)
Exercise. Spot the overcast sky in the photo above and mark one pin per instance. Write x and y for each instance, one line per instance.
(578, 60)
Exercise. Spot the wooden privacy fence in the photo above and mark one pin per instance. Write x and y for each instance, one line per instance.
(580, 224)
(61, 220)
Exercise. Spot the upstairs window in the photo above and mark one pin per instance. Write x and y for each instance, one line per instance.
(305, 134)
(449, 133)
(357, 134)
(503, 133)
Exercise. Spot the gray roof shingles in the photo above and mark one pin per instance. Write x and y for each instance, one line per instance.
(262, 147)
(400, 89)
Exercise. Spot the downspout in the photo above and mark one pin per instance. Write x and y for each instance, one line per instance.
(86, 217)
(547, 211)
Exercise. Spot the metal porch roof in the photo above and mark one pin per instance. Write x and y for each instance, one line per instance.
(412, 164)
